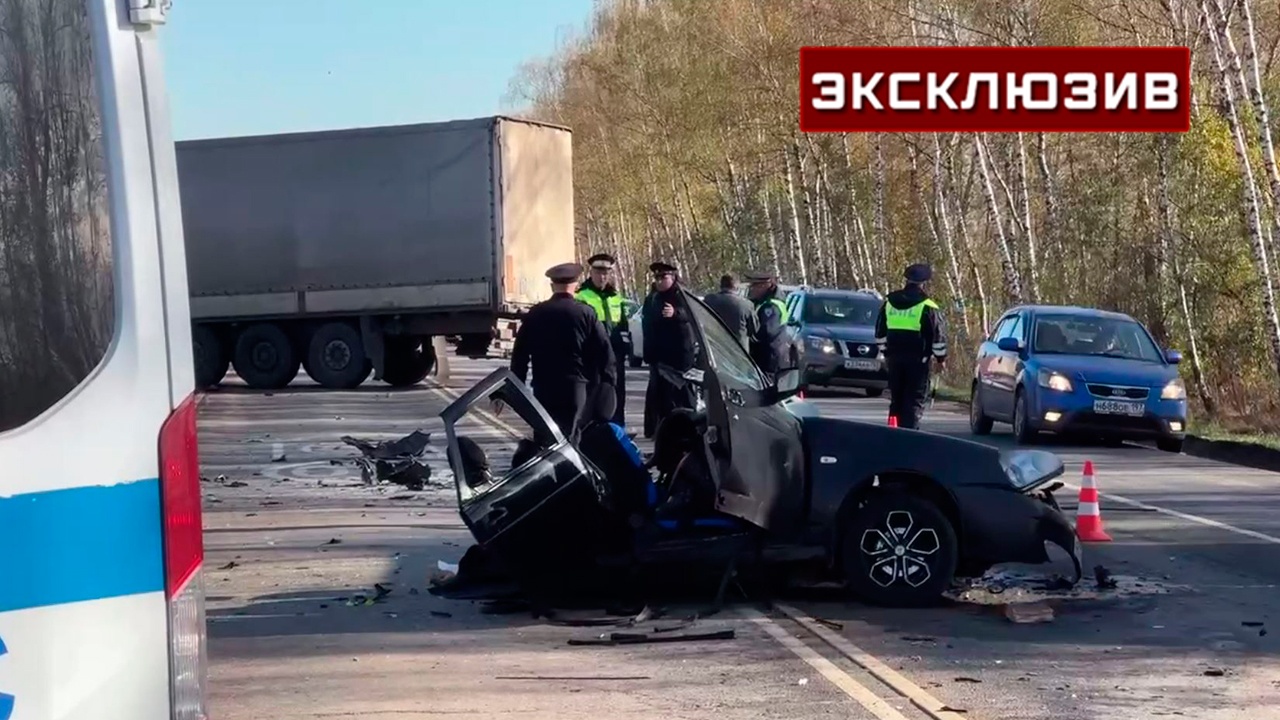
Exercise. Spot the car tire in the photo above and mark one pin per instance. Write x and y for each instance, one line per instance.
(889, 542)
(408, 360)
(979, 423)
(1173, 445)
(874, 392)
(1023, 433)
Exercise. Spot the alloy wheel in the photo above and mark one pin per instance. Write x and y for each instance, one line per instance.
(899, 551)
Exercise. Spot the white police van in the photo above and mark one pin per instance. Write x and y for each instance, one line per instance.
(101, 596)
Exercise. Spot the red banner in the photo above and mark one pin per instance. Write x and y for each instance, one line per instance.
(995, 89)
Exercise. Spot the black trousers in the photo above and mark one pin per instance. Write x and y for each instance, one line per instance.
(663, 397)
(620, 410)
(908, 389)
(564, 402)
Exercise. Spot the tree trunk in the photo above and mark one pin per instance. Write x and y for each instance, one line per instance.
(1012, 278)
(798, 236)
(1250, 191)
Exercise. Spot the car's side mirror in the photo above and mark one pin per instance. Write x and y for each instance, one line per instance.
(787, 383)
(1173, 357)
(1009, 344)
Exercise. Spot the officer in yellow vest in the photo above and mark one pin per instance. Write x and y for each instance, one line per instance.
(601, 294)
(910, 332)
(771, 347)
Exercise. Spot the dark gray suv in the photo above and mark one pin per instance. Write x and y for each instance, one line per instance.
(836, 329)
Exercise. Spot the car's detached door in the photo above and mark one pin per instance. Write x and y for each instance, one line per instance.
(515, 472)
(756, 447)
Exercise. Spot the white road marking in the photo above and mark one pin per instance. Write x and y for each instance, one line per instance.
(829, 670)
(930, 705)
(1183, 516)
(277, 452)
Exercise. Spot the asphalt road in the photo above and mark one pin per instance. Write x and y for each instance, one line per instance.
(1196, 550)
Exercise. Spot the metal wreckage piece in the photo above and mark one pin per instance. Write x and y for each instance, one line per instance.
(401, 462)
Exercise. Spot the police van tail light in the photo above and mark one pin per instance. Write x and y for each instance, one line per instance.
(183, 562)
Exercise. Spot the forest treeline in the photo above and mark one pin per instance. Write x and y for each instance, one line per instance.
(687, 147)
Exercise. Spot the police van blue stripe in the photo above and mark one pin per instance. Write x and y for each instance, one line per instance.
(76, 544)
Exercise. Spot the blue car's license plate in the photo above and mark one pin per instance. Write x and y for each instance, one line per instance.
(1118, 407)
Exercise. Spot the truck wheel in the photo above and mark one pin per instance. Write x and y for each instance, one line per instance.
(899, 551)
(264, 357)
(407, 361)
(874, 392)
(336, 357)
(210, 357)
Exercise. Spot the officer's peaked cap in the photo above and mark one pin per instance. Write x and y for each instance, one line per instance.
(565, 273)
(760, 276)
(602, 260)
(918, 273)
(662, 267)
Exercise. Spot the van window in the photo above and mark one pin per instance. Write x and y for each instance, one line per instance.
(56, 311)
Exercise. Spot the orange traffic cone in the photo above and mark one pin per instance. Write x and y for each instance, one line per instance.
(1089, 512)
(893, 421)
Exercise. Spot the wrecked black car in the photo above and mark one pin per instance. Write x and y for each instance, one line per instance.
(752, 479)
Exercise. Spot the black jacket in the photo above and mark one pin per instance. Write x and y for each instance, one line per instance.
(668, 341)
(929, 340)
(565, 342)
(737, 313)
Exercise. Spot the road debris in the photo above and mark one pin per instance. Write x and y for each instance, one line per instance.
(334, 541)
(401, 462)
(441, 614)
(1005, 586)
(574, 678)
(830, 623)
(1215, 672)
(229, 566)
(963, 679)
(1103, 578)
(1028, 613)
(380, 592)
(621, 638)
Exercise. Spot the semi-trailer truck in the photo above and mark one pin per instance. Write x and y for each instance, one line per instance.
(342, 253)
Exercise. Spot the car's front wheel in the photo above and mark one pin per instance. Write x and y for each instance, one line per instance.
(874, 392)
(1173, 445)
(899, 551)
(1023, 432)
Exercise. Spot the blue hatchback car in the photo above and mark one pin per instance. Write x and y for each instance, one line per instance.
(1078, 370)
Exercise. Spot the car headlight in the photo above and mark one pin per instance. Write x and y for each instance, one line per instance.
(1054, 381)
(821, 344)
(1175, 390)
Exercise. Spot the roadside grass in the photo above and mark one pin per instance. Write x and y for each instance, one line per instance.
(1235, 430)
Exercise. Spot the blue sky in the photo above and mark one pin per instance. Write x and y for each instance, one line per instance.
(241, 67)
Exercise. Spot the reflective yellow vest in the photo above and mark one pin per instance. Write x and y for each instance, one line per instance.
(906, 319)
(608, 308)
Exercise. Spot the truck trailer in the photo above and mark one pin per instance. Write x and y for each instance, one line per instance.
(344, 252)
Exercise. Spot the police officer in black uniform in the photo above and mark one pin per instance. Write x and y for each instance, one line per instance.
(568, 347)
(771, 346)
(910, 332)
(669, 347)
(600, 293)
